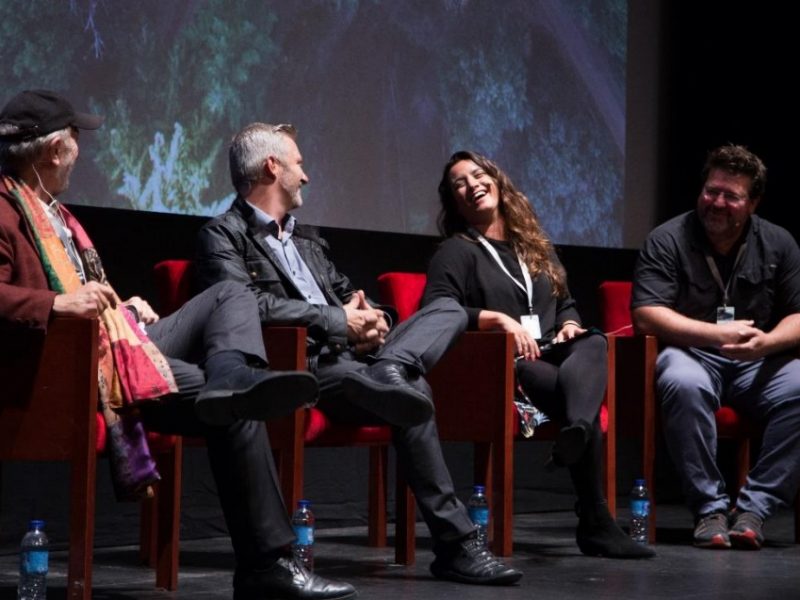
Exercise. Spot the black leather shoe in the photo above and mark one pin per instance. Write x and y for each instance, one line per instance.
(470, 562)
(384, 390)
(255, 394)
(287, 579)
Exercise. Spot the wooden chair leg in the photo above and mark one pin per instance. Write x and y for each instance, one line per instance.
(742, 461)
(610, 439)
(167, 535)
(405, 522)
(649, 426)
(81, 526)
(378, 463)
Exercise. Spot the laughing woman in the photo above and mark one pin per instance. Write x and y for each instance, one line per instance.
(499, 264)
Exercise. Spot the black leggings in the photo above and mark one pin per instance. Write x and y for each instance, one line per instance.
(568, 384)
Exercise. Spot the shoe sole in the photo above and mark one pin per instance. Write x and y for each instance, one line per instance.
(508, 579)
(395, 405)
(718, 542)
(258, 594)
(591, 550)
(277, 396)
(745, 540)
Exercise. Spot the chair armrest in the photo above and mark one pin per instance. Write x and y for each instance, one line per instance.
(473, 387)
(286, 347)
(51, 391)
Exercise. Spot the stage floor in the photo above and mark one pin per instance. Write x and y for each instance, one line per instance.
(544, 550)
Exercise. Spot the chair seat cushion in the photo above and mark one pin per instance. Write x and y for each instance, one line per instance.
(732, 424)
(320, 431)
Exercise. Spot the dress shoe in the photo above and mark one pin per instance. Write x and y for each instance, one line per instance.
(384, 390)
(599, 535)
(254, 394)
(470, 562)
(288, 580)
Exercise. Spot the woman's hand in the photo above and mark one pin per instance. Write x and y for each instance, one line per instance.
(525, 344)
(568, 331)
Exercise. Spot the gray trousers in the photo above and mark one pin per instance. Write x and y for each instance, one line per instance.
(221, 318)
(418, 343)
(692, 384)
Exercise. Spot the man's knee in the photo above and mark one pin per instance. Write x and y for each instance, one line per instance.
(450, 307)
(682, 384)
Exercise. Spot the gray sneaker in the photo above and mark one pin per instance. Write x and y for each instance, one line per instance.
(747, 530)
(711, 531)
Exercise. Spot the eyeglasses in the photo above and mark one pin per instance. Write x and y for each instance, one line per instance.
(712, 193)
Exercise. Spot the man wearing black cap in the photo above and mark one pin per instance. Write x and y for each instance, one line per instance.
(206, 360)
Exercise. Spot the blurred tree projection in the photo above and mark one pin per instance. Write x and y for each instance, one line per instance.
(382, 93)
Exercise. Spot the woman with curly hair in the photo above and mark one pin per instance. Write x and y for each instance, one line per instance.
(499, 264)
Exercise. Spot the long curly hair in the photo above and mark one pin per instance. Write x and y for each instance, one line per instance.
(523, 232)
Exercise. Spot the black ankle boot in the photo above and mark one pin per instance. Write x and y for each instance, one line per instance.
(599, 535)
(570, 444)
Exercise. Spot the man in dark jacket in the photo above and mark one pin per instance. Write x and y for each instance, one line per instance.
(367, 371)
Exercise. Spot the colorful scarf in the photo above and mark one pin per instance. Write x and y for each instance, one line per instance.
(130, 368)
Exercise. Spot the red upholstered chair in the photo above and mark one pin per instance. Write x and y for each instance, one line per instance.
(48, 412)
(473, 389)
(289, 436)
(637, 391)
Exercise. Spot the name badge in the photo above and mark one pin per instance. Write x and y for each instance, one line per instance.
(531, 325)
(725, 314)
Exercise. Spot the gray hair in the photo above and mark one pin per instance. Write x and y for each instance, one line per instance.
(251, 147)
(16, 154)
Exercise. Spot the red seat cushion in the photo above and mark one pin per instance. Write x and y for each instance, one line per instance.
(320, 431)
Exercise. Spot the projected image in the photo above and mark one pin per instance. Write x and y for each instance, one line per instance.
(382, 92)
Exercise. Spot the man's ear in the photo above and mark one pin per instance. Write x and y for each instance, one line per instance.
(54, 151)
(271, 166)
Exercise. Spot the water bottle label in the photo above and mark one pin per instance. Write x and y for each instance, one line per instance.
(479, 516)
(305, 535)
(35, 562)
(640, 508)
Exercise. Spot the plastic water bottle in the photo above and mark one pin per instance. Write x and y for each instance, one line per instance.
(303, 524)
(33, 559)
(640, 511)
(478, 508)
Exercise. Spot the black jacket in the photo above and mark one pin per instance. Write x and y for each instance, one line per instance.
(229, 250)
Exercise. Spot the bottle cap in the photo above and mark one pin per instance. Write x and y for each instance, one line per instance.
(35, 524)
(304, 503)
(478, 489)
(640, 482)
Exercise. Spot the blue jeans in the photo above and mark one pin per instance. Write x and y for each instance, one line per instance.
(692, 384)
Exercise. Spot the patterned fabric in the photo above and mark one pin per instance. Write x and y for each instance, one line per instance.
(131, 368)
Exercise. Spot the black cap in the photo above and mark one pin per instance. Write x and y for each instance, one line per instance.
(34, 113)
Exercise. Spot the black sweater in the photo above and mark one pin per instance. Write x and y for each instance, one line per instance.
(463, 270)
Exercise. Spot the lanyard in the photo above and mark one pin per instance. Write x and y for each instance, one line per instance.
(526, 276)
(712, 265)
